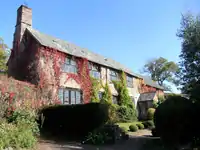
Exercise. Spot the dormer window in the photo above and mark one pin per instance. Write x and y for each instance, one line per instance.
(94, 71)
(70, 65)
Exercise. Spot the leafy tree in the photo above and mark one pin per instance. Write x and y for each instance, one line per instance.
(160, 70)
(189, 33)
(4, 54)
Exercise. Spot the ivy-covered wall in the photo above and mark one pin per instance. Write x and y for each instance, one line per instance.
(42, 66)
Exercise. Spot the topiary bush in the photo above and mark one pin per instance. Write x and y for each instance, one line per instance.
(175, 120)
(133, 128)
(149, 124)
(140, 126)
(150, 113)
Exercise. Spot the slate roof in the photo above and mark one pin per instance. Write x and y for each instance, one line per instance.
(72, 49)
(147, 96)
(148, 81)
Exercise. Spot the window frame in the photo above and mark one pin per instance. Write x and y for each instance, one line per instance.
(70, 62)
(100, 95)
(70, 90)
(128, 82)
(114, 74)
(94, 68)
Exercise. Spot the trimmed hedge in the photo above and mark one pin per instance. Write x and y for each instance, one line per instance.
(175, 120)
(133, 128)
(150, 113)
(148, 124)
(140, 126)
(74, 121)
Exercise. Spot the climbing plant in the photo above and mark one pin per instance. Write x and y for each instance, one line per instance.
(57, 59)
(107, 95)
(126, 110)
(96, 85)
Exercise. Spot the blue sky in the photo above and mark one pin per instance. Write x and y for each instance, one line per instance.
(129, 31)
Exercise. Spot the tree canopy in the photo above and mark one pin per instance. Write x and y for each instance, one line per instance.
(189, 33)
(160, 70)
(4, 54)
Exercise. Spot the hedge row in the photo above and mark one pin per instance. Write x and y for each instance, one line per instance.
(73, 120)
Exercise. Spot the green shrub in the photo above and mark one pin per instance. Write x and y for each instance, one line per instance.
(16, 136)
(148, 124)
(96, 137)
(174, 120)
(78, 120)
(140, 126)
(124, 129)
(150, 113)
(133, 128)
(126, 114)
(25, 117)
(145, 124)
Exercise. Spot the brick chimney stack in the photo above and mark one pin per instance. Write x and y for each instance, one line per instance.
(24, 20)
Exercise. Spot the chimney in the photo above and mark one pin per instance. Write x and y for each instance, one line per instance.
(24, 20)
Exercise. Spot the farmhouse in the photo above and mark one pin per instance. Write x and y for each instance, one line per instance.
(64, 68)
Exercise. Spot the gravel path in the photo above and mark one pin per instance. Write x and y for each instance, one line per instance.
(136, 142)
(139, 143)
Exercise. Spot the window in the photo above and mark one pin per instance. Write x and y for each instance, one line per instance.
(69, 65)
(129, 81)
(100, 95)
(69, 96)
(114, 76)
(94, 71)
(115, 99)
(133, 100)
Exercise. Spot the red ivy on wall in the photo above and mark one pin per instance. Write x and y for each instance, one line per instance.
(82, 77)
(146, 88)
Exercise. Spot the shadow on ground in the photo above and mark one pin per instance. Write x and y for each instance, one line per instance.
(134, 143)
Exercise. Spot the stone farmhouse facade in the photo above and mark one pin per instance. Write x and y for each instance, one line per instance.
(42, 59)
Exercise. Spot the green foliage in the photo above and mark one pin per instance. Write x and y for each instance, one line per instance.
(133, 128)
(107, 95)
(189, 33)
(16, 136)
(85, 118)
(121, 87)
(126, 114)
(150, 113)
(3, 55)
(4, 98)
(96, 137)
(148, 124)
(26, 118)
(95, 90)
(124, 129)
(140, 126)
(19, 130)
(161, 70)
(112, 113)
(174, 121)
(126, 110)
